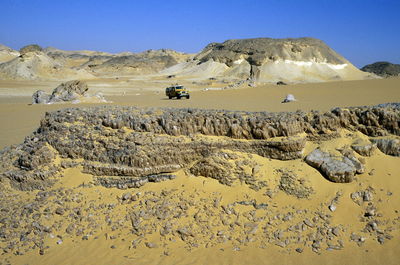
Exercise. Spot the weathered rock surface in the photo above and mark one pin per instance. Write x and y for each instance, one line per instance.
(30, 48)
(70, 91)
(364, 149)
(132, 142)
(40, 97)
(384, 69)
(335, 168)
(388, 146)
(272, 60)
(292, 185)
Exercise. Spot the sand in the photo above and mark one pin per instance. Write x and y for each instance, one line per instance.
(19, 119)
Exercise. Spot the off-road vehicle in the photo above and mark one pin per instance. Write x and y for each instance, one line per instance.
(177, 91)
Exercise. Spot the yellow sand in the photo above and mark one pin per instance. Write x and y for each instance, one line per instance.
(18, 119)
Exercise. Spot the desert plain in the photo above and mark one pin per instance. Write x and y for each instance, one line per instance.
(138, 180)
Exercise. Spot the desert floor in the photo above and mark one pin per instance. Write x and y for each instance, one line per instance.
(18, 119)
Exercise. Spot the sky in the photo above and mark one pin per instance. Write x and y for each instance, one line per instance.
(363, 31)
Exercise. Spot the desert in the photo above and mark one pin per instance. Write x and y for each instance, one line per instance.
(286, 152)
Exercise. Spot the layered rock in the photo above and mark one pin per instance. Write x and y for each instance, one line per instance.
(71, 91)
(388, 146)
(270, 60)
(132, 142)
(340, 169)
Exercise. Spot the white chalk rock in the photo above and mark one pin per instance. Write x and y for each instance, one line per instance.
(289, 98)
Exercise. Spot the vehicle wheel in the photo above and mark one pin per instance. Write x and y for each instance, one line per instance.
(178, 97)
(187, 97)
(169, 97)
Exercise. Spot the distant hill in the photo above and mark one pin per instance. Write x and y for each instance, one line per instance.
(263, 60)
(33, 62)
(270, 60)
(7, 53)
(384, 69)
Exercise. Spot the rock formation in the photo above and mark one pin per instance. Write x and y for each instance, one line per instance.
(33, 62)
(7, 54)
(131, 142)
(270, 60)
(30, 48)
(341, 169)
(384, 69)
(71, 91)
(264, 60)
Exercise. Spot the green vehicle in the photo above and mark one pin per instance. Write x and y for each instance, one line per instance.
(177, 92)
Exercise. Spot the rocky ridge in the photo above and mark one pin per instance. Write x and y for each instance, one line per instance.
(127, 141)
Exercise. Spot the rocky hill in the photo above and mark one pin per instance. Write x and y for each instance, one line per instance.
(151, 61)
(34, 62)
(7, 54)
(384, 69)
(270, 60)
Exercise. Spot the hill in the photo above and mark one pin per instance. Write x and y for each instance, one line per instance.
(384, 69)
(270, 60)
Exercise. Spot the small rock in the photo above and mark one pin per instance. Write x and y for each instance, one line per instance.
(126, 196)
(151, 245)
(60, 211)
(289, 98)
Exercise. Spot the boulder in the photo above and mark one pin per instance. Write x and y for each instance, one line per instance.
(388, 146)
(40, 97)
(289, 98)
(69, 91)
(364, 149)
(339, 169)
(72, 91)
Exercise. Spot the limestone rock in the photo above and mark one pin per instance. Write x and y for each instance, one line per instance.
(40, 97)
(133, 144)
(69, 91)
(388, 146)
(364, 149)
(72, 91)
(336, 169)
(289, 98)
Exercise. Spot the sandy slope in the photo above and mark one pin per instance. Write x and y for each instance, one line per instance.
(98, 249)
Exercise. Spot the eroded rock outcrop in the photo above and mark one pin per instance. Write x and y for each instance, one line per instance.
(388, 146)
(341, 169)
(132, 142)
(71, 91)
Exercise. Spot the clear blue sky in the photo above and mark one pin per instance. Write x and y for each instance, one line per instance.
(363, 31)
